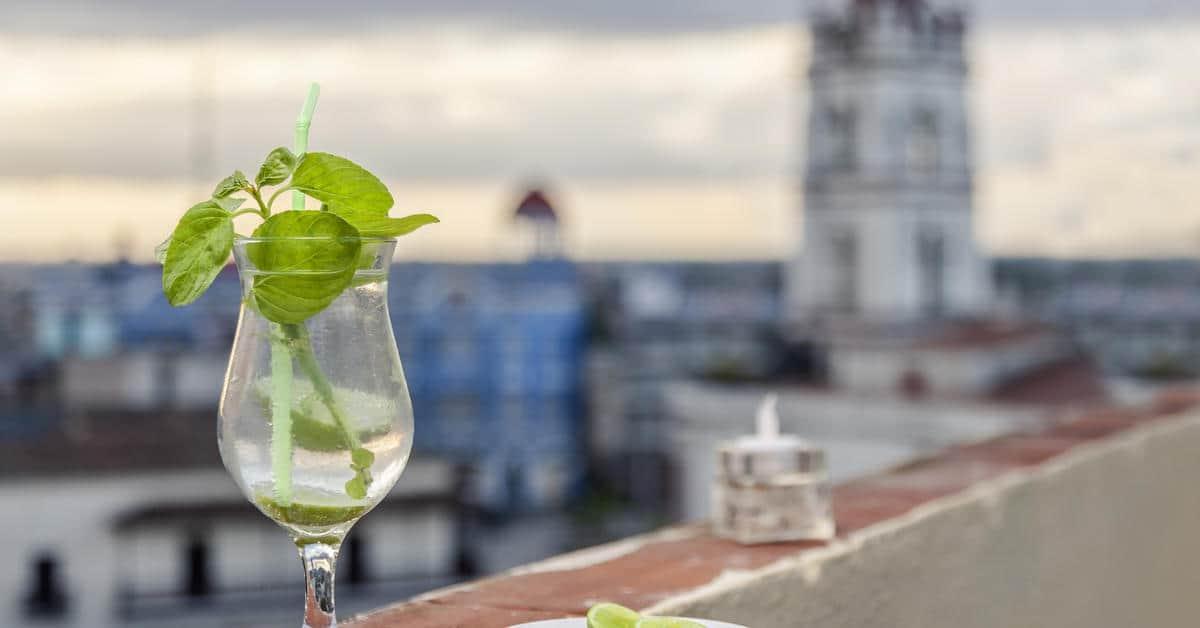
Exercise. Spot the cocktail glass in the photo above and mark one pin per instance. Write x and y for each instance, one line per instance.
(315, 418)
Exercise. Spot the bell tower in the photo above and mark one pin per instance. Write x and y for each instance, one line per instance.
(888, 218)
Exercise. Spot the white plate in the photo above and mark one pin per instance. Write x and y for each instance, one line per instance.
(579, 622)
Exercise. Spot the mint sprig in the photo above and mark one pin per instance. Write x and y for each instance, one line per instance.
(305, 260)
(357, 203)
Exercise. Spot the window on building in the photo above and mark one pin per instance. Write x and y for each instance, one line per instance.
(931, 260)
(514, 481)
(197, 576)
(924, 142)
(843, 133)
(458, 418)
(47, 598)
(459, 357)
(845, 271)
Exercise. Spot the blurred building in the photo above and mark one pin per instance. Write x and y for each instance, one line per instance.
(493, 354)
(889, 284)
(127, 518)
(888, 298)
(115, 499)
(888, 220)
(655, 322)
(1138, 318)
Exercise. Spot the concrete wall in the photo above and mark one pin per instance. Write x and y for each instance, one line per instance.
(1103, 536)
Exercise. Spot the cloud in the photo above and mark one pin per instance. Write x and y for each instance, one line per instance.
(1087, 134)
(157, 19)
(1084, 137)
(167, 19)
(444, 104)
(1076, 11)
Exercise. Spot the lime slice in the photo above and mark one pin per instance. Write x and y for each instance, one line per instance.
(609, 615)
(666, 622)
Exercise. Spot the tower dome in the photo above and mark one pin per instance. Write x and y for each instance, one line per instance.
(538, 221)
(535, 206)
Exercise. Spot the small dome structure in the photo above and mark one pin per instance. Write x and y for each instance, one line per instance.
(539, 220)
(535, 206)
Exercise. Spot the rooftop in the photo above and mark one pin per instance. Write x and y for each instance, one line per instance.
(124, 441)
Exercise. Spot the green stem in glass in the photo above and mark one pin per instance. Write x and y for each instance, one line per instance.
(301, 347)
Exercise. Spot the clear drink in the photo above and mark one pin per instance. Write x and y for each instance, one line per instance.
(315, 418)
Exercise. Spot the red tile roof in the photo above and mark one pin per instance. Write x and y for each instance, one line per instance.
(536, 206)
(981, 334)
(1074, 381)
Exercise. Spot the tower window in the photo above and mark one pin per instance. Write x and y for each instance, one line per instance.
(924, 143)
(843, 133)
(931, 258)
(197, 579)
(845, 271)
(46, 595)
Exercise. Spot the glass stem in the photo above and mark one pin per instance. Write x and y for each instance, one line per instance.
(320, 561)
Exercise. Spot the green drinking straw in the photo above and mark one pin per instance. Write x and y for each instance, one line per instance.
(281, 417)
(301, 138)
(281, 354)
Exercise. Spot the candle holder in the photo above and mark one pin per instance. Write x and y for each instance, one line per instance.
(771, 487)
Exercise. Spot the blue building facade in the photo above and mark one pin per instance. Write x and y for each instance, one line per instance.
(493, 354)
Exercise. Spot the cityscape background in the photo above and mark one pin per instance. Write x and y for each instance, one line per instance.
(631, 198)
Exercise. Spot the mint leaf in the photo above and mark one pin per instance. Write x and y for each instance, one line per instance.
(341, 184)
(276, 168)
(196, 252)
(313, 433)
(233, 183)
(308, 259)
(230, 203)
(357, 488)
(362, 458)
(384, 227)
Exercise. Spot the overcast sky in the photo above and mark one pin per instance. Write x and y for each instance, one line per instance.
(666, 128)
(161, 19)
